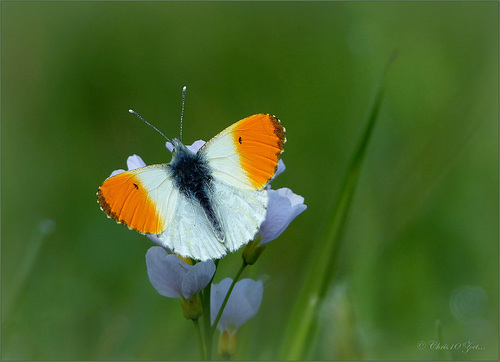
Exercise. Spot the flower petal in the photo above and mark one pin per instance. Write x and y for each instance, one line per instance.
(116, 172)
(283, 207)
(217, 295)
(169, 146)
(155, 239)
(134, 162)
(196, 145)
(165, 271)
(197, 278)
(279, 170)
(243, 303)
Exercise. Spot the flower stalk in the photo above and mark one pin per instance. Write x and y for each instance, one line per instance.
(199, 338)
(226, 298)
(206, 322)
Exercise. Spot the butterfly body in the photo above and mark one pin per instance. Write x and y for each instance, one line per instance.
(192, 176)
(205, 203)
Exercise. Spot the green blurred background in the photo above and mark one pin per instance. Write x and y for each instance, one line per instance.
(421, 241)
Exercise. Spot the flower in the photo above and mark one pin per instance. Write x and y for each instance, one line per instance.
(279, 170)
(283, 207)
(243, 304)
(133, 162)
(174, 278)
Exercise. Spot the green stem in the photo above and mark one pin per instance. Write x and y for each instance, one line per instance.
(200, 340)
(205, 295)
(205, 301)
(243, 266)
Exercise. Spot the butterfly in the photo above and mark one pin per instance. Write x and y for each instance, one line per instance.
(202, 204)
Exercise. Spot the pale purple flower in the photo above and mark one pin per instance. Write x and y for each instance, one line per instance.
(283, 207)
(155, 239)
(279, 170)
(243, 303)
(174, 278)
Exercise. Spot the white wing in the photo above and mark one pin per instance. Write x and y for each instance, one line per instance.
(190, 233)
(240, 211)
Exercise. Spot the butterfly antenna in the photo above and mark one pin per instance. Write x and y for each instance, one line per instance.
(149, 124)
(182, 110)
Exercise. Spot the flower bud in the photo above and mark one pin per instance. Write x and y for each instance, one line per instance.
(227, 344)
(252, 251)
(192, 307)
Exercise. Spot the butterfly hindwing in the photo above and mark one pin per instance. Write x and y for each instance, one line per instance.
(241, 212)
(190, 233)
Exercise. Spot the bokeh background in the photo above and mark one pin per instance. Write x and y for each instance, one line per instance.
(421, 240)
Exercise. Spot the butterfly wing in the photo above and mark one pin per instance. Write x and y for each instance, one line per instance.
(246, 154)
(240, 211)
(242, 159)
(190, 234)
(144, 199)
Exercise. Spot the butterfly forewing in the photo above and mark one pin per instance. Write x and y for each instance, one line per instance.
(143, 199)
(246, 153)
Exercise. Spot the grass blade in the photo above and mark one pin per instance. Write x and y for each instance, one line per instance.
(300, 333)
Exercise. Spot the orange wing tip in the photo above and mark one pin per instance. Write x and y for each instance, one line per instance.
(124, 199)
(279, 129)
(109, 214)
(100, 206)
(128, 227)
(259, 140)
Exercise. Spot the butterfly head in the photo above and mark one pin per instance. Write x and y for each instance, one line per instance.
(179, 147)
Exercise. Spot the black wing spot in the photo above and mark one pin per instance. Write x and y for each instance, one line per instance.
(136, 186)
(240, 140)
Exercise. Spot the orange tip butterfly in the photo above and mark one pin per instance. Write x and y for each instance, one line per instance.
(202, 204)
